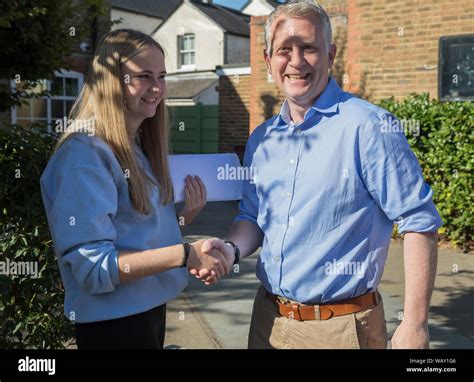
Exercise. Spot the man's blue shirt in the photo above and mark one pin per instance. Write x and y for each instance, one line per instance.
(326, 195)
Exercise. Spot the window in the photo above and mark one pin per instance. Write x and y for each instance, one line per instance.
(187, 52)
(64, 89)
(456, 68)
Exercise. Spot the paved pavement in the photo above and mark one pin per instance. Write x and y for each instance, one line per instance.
(218, 316)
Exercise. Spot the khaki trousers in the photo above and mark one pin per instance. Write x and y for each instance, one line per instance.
(270, 330)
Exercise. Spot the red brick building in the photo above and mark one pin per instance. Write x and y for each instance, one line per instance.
(234, 105)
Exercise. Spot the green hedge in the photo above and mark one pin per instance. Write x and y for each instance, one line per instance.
(31, 308)
(445, 148)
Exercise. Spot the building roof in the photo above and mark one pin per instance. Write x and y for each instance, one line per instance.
(160, 9)
(188, 88)
(231, 20)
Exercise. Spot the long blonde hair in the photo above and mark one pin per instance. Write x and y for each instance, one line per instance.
(101, 99)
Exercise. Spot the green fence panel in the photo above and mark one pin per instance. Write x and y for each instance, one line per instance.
(194, 129)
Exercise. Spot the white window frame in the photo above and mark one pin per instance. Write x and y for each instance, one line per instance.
(59, 74)
(181, 52)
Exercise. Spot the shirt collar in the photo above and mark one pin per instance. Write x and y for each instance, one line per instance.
(285, 112)
(326, 103)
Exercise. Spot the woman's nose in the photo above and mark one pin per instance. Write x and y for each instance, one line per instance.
(155, 87)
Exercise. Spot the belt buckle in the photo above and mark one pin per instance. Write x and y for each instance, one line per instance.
(282, 300)
(294, 313)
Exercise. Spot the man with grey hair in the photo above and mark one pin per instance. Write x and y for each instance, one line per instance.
(330, 184)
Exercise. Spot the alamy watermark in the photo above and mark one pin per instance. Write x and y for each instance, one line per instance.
(356, 268)
(407, 126)
(66, 125)
(27, 364)
(19, 268)
(237, 173)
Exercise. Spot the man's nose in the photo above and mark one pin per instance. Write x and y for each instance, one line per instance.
(297, 58)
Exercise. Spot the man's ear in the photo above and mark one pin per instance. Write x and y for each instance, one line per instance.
(332, 55)
(266, 57)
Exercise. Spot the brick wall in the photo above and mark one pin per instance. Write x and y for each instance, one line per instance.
(385, 48)
(234, 94)
(392, 46)
(265, 98)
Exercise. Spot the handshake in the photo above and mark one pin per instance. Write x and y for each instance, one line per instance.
(210, 259)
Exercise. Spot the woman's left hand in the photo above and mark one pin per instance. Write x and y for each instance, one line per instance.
(195, 198)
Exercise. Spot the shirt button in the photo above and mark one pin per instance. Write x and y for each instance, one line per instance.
(288, 194)
(292, 161)
(298, 131)
(276, 258)
(283, 226)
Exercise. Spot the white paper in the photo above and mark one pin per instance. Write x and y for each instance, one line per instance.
(217, 171)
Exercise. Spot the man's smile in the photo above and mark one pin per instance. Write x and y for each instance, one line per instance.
(297, 76)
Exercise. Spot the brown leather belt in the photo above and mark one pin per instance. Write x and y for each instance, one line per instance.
(303, 312)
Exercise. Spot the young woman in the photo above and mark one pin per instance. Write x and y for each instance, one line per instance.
(108, 199)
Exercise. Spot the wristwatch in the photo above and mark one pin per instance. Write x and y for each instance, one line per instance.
(236, 252)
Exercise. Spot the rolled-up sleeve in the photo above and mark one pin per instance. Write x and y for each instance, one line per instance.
(81, 224)
(248, 206)
(393, 177)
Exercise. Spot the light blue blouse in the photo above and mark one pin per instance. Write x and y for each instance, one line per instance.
(91, 218)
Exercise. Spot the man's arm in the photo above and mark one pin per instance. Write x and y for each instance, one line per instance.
(420, 260)
(247, 236)
(245, 233)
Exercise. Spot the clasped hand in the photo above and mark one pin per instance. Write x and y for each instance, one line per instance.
(210, 259)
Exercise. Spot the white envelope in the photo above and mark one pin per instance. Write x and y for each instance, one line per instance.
(217, 171)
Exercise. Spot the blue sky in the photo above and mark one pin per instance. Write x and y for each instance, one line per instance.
(236, 4)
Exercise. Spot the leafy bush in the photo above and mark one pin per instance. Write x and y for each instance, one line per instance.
(31, 315)
(39, 37)
(445, 148)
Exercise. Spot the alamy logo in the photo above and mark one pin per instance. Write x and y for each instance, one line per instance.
(394, 125)
(37, 365)
(355, 268)
(237, 173)
(19, 268)
(66, 125)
